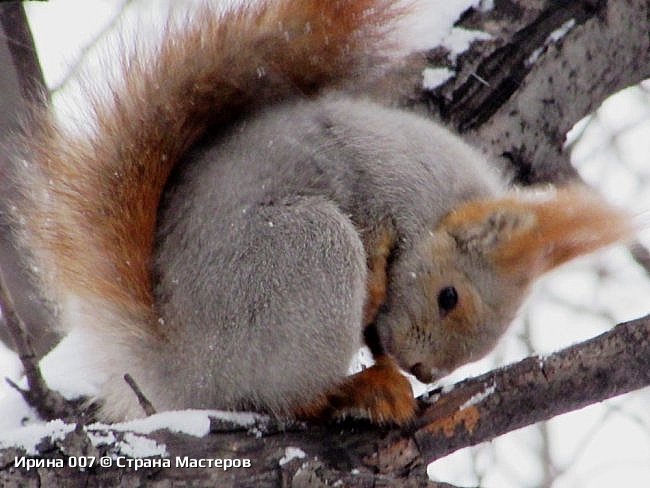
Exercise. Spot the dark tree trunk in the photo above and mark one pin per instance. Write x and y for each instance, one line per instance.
(21, 82)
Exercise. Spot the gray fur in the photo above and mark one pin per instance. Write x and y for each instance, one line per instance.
(260, 266)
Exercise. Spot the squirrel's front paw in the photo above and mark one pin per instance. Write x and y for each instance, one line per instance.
(380, 393)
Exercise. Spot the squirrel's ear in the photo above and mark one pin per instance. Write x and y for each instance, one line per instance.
(530, 232)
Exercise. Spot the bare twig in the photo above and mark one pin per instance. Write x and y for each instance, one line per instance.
(142, 399)
(49, 404)
(81, 59)
(641, 255)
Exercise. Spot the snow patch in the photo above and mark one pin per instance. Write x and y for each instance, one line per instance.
(291, 453)
(479, 397)
(27, 438)
(552, 38)
(138, 447)
(191, 422)
(434, 77)
(459, 40)
(430, 23)
(561, 31)
(100, 437)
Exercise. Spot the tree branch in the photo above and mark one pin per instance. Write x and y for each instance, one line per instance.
(144, 402)
(536, 389)
(641, 255)
(23, 53)
(517, 94)
(49, 404)
(21, 84)
(358, 454)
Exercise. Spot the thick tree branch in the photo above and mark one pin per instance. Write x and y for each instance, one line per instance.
(549, 64)
(538, 388)
(358, 454)
(569, 81)
(21, 83)
(23, 53)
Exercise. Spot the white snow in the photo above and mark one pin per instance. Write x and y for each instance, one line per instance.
(134, 443)
(100, 437)
(30, 436)
(190, 422)
(430, 23)
(137, 447)
(434, 77)
(561, 31)
(459, 40)
(291, 453)
(552, 38)
(479, 397)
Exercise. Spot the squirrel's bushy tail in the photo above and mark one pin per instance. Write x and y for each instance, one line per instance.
(92, 197)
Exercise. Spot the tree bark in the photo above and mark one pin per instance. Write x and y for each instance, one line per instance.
(21, 82)
(354, 453)
(517, 94)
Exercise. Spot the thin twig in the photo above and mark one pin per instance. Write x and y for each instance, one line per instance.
(641, 255)
(81, 59)
(144, 402)
(47, 403)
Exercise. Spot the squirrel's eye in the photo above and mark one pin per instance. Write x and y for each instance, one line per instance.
(447, 299)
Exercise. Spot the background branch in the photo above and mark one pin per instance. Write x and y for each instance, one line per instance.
(517, 94)
(21, 84)
(48, 403)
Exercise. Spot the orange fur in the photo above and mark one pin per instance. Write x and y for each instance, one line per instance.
(92, 197)
(380, 393)
(378, 251)
(538, 232)
(102, 188)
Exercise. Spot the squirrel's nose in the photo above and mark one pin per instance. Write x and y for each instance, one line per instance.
(428, 374)
(421, 372)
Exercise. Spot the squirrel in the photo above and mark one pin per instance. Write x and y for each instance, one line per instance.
(230, 225)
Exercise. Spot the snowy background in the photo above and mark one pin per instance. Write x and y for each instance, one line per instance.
(600, 446)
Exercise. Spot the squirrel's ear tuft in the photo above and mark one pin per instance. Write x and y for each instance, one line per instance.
(530, 232)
